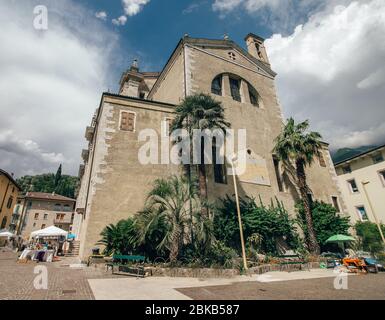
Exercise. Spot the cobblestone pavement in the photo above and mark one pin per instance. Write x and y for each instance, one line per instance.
(64, 283)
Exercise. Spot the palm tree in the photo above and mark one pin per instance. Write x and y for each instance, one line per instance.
(168, 203)
(202, 112)
(119, 238)
(297, 145)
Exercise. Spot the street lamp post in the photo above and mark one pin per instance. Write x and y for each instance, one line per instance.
(239, 214)
(364, 183)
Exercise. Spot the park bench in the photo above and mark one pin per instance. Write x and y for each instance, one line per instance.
(292, 259)
(125, 265)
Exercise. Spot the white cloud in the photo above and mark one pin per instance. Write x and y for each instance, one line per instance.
(50, 84)
(133, 7)
(121, 21)
(102, 15)
(331, 70)
(277, 15)
(226, 5)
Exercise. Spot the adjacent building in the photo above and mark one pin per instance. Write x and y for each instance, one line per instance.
(38, 210)
(362, 181)
(9, 191)
(114, 184)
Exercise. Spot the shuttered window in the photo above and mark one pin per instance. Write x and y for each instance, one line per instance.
(127, 121)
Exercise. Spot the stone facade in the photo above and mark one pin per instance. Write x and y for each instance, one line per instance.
(114, 184)
(42, 210)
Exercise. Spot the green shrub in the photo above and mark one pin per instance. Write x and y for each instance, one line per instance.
(270, 224)
(326, 222)
(370, 236)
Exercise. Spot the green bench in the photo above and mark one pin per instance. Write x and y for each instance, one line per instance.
(122, 263)
(292, 259)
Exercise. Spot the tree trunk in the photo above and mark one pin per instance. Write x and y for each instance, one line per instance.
(203, 189)
(174, 250)
(189, 177)
(303, 188)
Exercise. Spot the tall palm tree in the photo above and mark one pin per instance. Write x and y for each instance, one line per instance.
(300, 146)
(168, 202)
(200, 111)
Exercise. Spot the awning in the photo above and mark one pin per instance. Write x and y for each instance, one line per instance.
(49, 232)
(6, 234)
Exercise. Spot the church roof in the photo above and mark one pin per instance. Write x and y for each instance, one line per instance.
(215, 43)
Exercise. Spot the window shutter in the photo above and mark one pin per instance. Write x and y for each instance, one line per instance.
(127, 122)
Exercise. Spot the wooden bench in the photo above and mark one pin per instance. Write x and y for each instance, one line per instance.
(122, 263)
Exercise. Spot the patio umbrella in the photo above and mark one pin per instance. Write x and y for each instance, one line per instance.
(340, 239)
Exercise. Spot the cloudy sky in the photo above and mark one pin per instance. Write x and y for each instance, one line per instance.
(329, 56)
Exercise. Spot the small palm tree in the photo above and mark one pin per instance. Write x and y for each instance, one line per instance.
(202, 112)
(119, 238)
(167, 202)
(297, 145)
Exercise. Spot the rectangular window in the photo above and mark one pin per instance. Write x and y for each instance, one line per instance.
(9, 203)
(336, 204)
(34, 224)
(353, 186)
(43, 226)
(167, 126)
(321, 158)
(220, 175)
(310, 198)
(127, 121)
(377, 158)
(382, 177)
(45, 216)
(235, 89)
(216, 86)
(362, 213)
(253, 96)
(278, 174)
(347, 169)
(36, 216)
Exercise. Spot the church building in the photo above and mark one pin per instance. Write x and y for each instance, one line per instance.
(114, 184)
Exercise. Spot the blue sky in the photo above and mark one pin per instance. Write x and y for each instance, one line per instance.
(152, 34)
(329, 56)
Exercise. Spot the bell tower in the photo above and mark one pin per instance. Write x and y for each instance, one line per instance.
(131, 81)
(256, 47)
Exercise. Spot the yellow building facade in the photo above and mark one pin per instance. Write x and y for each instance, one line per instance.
(362, 183)
(9, 191)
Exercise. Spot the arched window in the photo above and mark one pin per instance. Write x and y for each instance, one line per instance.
(216, 86)
(236, 85)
